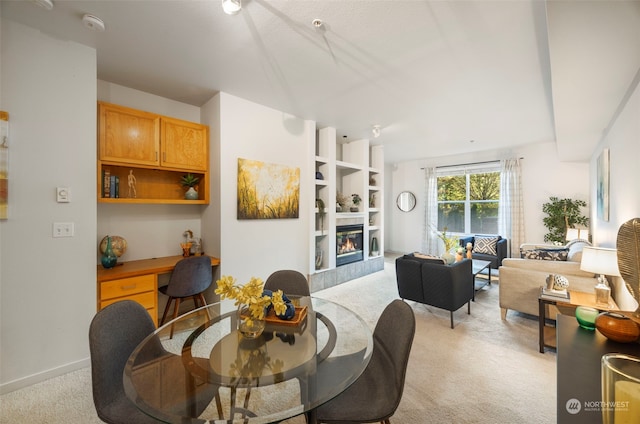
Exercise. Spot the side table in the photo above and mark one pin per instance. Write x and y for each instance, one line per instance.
(547, 334)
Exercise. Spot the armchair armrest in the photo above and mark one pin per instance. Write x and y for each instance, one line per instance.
(448, 286)
(501, 250)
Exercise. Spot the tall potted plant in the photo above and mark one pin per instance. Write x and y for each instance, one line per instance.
(561, 215)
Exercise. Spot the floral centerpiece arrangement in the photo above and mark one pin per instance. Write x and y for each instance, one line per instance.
(450, 242)
(252, 300)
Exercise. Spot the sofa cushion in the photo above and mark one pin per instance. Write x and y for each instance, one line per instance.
(575, 249)
(486, 245)
(546, 254)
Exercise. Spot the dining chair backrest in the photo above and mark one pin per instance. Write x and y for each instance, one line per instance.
(114, 333)
(383, 378)
(393, 337)
(190, 276)
(291, 282)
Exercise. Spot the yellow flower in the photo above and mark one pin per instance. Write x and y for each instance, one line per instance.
(250, 295)
(449, 241)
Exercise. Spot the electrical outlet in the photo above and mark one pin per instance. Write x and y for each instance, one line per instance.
(63, 229)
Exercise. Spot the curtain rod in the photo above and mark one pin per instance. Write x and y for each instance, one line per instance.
(470, 163)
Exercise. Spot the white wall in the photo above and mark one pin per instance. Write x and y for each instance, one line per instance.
(259, 247)
(543, 175)
(623, 141)
(47, 285)
(150, 230)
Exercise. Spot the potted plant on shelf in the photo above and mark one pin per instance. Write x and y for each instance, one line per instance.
(355, 199)
(190, 181)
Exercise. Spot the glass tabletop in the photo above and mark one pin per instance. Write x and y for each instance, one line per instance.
(199, 369)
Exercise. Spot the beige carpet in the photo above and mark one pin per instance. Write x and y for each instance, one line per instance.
(485, 370)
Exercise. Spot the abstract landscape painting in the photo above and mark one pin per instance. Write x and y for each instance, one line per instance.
(267, 191)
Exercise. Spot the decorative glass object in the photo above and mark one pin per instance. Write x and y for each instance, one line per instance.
(374, 246)
(249, 326)
(620, 388)
(109, 258)
(587, 317)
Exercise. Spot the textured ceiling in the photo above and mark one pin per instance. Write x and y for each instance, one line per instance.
(433, 74)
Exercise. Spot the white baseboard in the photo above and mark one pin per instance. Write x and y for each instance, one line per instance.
(42, 376)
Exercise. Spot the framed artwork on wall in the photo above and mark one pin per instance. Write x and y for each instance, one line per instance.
(267, 191)
(602, 174)
(4, 165)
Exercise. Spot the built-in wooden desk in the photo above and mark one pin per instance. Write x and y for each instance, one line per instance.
(136, 280)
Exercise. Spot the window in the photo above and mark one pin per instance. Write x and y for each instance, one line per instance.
(468, 199)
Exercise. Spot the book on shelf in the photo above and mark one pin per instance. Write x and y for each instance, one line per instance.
(106, 183)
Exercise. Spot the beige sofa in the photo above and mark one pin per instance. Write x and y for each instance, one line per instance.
(521, 279)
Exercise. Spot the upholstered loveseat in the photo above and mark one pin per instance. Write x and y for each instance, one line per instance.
(492, 248)
(521, 278)
(430, 281)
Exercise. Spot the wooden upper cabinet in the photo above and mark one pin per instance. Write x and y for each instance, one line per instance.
(185, 145)
(128, 135)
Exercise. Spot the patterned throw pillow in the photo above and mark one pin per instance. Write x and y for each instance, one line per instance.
(486, 245)
(546, 254)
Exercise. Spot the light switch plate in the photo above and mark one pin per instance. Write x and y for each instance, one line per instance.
(63, 195)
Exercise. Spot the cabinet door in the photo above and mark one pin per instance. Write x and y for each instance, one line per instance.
(128, 135)
(185, 145)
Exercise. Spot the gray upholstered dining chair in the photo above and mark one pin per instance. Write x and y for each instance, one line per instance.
(376, 394)
(114, 333)
(289, 281)
(189, 279)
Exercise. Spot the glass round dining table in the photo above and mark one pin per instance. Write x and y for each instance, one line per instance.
(199, 369)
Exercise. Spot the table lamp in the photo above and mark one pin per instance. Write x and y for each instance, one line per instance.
(603, 262)
(577, 234)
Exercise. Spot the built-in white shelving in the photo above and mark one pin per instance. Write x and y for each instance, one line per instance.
(348, 168)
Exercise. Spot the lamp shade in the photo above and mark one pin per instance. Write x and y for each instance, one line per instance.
(577, 233)
(600, 260)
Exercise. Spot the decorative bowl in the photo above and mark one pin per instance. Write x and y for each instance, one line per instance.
(617, 327)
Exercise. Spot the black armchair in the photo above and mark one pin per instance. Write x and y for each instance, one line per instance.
(433, 283)
(486, 254)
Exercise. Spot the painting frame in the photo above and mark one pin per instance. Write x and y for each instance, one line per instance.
(267, 190)
(602, 194)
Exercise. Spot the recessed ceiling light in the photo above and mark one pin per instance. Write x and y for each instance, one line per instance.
(231, 7)
(93, 22)
(47, 4)
(317, 23)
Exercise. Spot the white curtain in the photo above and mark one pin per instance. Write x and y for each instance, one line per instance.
(429, 238)
(511, 210)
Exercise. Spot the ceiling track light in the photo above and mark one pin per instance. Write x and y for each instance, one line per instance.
(46, 4)
(376, 130)
(231, 7)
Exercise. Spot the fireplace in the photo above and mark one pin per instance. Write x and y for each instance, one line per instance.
(349, 244)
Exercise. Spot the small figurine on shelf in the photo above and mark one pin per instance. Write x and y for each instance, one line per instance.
(459, 254)
(131, 180)
(469, 247)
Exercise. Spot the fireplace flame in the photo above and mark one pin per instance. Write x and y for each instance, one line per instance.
(347, 246)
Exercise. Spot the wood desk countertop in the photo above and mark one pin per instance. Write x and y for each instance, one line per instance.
(142, 267)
